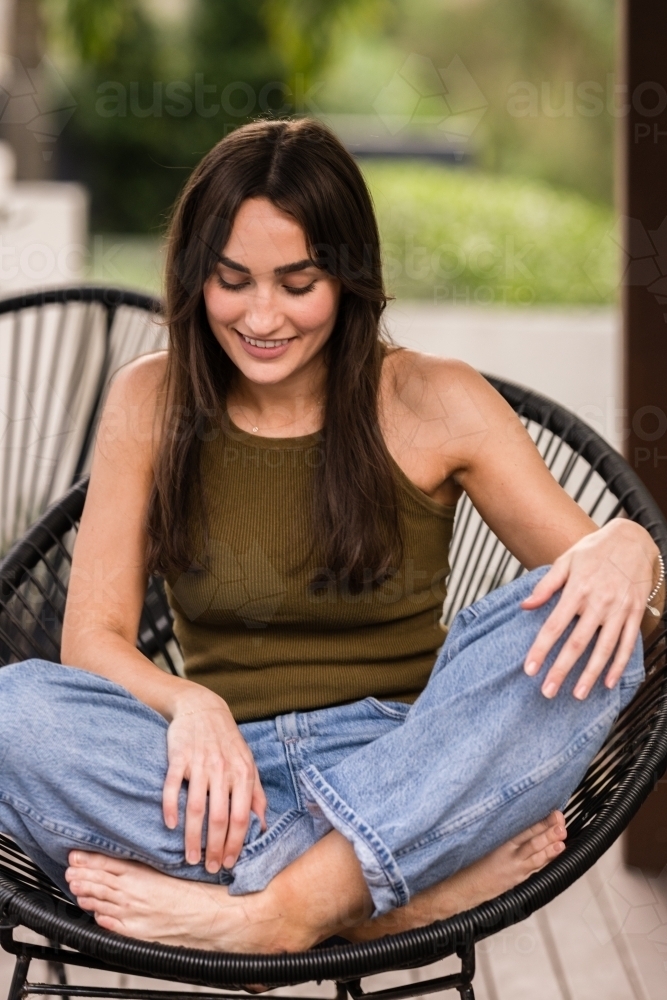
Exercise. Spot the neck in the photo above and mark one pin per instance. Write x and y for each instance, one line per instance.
(295, 405)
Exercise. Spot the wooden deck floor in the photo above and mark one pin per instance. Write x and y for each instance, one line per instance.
(603, 939)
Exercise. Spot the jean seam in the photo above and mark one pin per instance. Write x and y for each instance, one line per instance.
(510, 792)
(282, 824)
(390, 713)
(321, 790)
(72, 833)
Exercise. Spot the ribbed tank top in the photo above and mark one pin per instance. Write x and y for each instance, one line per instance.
(250, 626)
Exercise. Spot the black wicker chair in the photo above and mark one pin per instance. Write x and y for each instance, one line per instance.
(58, 349)
(33, 587)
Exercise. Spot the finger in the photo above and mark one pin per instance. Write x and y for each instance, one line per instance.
(194, 814)
(171, 791)
(259, 802)
(218, 818)
(547, 586)
(572, 650)
(625, 649)
(562, 615)
(604, 649)
(239, 817)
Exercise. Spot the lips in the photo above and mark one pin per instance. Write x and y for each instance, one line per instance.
(264, 349)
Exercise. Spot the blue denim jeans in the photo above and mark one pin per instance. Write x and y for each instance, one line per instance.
(419, 790)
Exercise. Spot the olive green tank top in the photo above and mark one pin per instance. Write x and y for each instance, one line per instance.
(250, 626)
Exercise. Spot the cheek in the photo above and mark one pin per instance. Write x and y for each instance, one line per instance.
(316, 311)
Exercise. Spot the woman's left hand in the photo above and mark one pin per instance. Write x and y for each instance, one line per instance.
(606, 578)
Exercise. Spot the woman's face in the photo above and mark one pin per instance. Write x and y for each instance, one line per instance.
(270, 308)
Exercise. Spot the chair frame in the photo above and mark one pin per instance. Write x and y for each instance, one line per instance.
(111, 299)
(597, 815)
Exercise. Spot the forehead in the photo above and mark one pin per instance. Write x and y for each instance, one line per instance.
(265, 234)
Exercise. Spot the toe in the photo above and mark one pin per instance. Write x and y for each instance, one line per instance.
(94, 890)
(543, 857)
(552, 835)
(109, 923)
(88, 859)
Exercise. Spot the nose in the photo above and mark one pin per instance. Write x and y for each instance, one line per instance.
(264, 316)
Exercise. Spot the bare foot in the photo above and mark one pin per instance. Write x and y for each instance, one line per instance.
(492, 875)
(140, 902)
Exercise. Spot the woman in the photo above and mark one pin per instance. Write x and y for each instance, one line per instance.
(323, 769)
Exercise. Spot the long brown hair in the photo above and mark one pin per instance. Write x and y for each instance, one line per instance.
(303, 169)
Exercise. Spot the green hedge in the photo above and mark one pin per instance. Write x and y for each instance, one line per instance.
(452, 235)
(455, 235)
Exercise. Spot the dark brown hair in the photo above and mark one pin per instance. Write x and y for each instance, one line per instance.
(303, 169)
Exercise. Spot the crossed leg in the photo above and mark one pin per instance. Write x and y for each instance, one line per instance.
(320, 894)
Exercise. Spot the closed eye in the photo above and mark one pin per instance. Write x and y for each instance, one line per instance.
(296, 290)
(231, 286)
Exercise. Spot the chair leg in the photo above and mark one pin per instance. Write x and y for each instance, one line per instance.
(18, 979)
(466, 953)
(57, 969)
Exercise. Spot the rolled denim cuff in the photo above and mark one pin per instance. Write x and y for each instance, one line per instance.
(262, 858)
(379, 867)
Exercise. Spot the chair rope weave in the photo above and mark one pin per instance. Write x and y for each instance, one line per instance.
(33, 588)
(58, 349)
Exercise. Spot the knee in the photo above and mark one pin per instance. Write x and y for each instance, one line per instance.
(27, 685)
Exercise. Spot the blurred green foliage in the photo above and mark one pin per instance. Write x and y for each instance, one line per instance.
(546, 69)
(454, 235)
(158, 82)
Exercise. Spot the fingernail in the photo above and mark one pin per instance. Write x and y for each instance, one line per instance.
(580, 691)
(212, 867)
(531, 668)
(549, 690)
(229, 861)
(171, 822)
(193, 857)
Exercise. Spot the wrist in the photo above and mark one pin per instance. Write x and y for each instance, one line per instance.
(188, 697)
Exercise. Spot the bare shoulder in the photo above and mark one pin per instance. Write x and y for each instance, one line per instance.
(130, 422)
(142, 378)
(430, 387)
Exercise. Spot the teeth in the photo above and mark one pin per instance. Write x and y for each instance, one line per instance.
(265, 343)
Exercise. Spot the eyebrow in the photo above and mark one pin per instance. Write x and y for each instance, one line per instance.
(299, 265)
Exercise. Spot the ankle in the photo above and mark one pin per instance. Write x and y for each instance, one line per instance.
(289, 923)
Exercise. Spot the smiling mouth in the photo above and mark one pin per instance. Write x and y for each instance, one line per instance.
(267, 344)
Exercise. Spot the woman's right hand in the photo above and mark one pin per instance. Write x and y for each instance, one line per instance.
(206, 749)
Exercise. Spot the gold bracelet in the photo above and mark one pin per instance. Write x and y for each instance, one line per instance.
(654, 611)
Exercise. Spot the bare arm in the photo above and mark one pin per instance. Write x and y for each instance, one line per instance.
(452, 431)
(105, 597)
(108, 581)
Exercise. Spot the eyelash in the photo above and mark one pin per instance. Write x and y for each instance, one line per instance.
(243, 284)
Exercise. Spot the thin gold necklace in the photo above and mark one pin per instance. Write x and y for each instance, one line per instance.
(255, 428)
